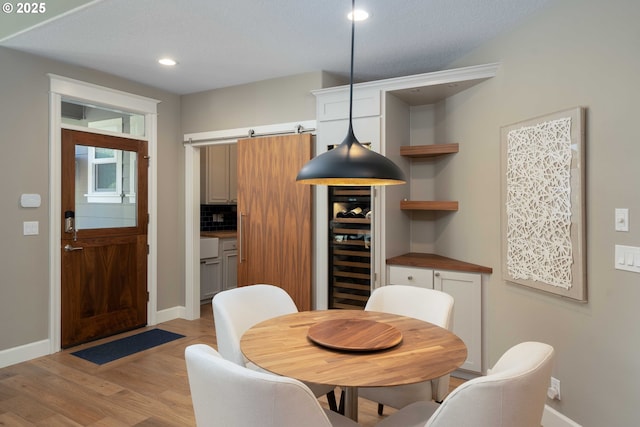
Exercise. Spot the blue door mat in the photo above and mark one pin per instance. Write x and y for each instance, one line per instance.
(108, 352)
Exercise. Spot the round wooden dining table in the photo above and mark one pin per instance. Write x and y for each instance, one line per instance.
(352, 349)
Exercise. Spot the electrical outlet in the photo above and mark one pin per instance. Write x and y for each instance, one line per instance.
(553, 392)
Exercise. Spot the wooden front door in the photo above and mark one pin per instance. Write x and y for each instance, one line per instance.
(274, 215)
(104, 236)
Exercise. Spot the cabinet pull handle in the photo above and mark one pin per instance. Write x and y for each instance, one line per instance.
(437, 274)
(409, 277)
(240, 239)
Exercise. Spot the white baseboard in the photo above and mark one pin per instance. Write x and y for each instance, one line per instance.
(26, 352)
(22, 353)
(465, 375)
(178, 312)
(553, 418)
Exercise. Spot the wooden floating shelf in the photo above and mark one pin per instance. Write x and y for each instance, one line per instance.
(432, 150)
(416, 205)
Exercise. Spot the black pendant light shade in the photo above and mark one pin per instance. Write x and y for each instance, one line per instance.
(350, 163)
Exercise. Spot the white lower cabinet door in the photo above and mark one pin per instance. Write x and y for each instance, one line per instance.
(230, 268)
(466, 290)
(210, 277)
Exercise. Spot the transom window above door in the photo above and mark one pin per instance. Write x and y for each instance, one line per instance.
(103, 118)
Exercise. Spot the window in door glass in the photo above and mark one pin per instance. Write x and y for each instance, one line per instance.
(105, 187)
(104, 175)
(105, 178)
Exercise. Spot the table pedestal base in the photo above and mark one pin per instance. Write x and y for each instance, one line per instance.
(351, 403)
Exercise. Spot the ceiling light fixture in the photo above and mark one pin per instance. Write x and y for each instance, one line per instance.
(167, 61)
(358, 15)
(350, 163)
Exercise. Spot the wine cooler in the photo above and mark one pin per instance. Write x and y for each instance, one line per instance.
(349, 247)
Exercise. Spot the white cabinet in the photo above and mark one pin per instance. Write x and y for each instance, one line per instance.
(388, 114)
(422, 277)
(229, 263)
(466, 290)
(210, 277)
(218, 171)
(332, 126)
(210, 267)
(218, 266)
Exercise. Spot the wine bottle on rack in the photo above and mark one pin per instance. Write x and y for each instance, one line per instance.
(342, 214)
(355, 213)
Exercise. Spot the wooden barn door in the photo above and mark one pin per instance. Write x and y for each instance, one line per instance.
(274, 215)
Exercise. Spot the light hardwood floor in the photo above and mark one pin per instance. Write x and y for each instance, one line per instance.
(146, 389)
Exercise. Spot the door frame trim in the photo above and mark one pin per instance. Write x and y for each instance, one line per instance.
(86, 92)
(192, 144)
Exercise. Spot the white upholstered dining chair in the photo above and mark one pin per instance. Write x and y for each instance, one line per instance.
(512, 394)
(236, 310)
(424, 304)
(228, 395)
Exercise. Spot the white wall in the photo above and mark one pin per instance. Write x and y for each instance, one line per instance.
(24, 168)
(574, 53)
(281, 100)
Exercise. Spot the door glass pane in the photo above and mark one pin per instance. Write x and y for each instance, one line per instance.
(103, 118)
(105, 177)
(105, 181)
(105, 153)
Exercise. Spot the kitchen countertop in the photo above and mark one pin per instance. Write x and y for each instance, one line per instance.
(227, 234)
(415, 259)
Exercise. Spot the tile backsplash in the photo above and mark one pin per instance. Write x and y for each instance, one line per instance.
(218, 217)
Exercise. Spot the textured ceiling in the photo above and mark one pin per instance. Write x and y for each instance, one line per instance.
(224, 43)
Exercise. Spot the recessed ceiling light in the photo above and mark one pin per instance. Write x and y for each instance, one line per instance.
(167, 61)
(358, 15)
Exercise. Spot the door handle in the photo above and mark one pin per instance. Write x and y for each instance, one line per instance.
(240, 236)
(69, 248)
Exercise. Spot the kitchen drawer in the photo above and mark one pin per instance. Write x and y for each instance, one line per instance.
(229, 244)
(422, 277)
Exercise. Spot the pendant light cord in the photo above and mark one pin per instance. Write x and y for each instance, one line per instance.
(353, 31)
(350, 163)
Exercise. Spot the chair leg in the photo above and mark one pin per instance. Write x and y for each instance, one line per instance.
(380, 408)
(331, 399)
(341, 407)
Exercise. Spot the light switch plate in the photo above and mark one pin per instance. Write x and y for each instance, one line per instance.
(30, 228)
(622, 219)
(627, 258)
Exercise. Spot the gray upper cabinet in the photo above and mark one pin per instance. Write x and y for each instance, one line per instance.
(218, 174)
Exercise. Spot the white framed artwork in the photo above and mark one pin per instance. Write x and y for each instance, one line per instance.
(543, 214)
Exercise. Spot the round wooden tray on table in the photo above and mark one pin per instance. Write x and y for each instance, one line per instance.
(354, 335)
